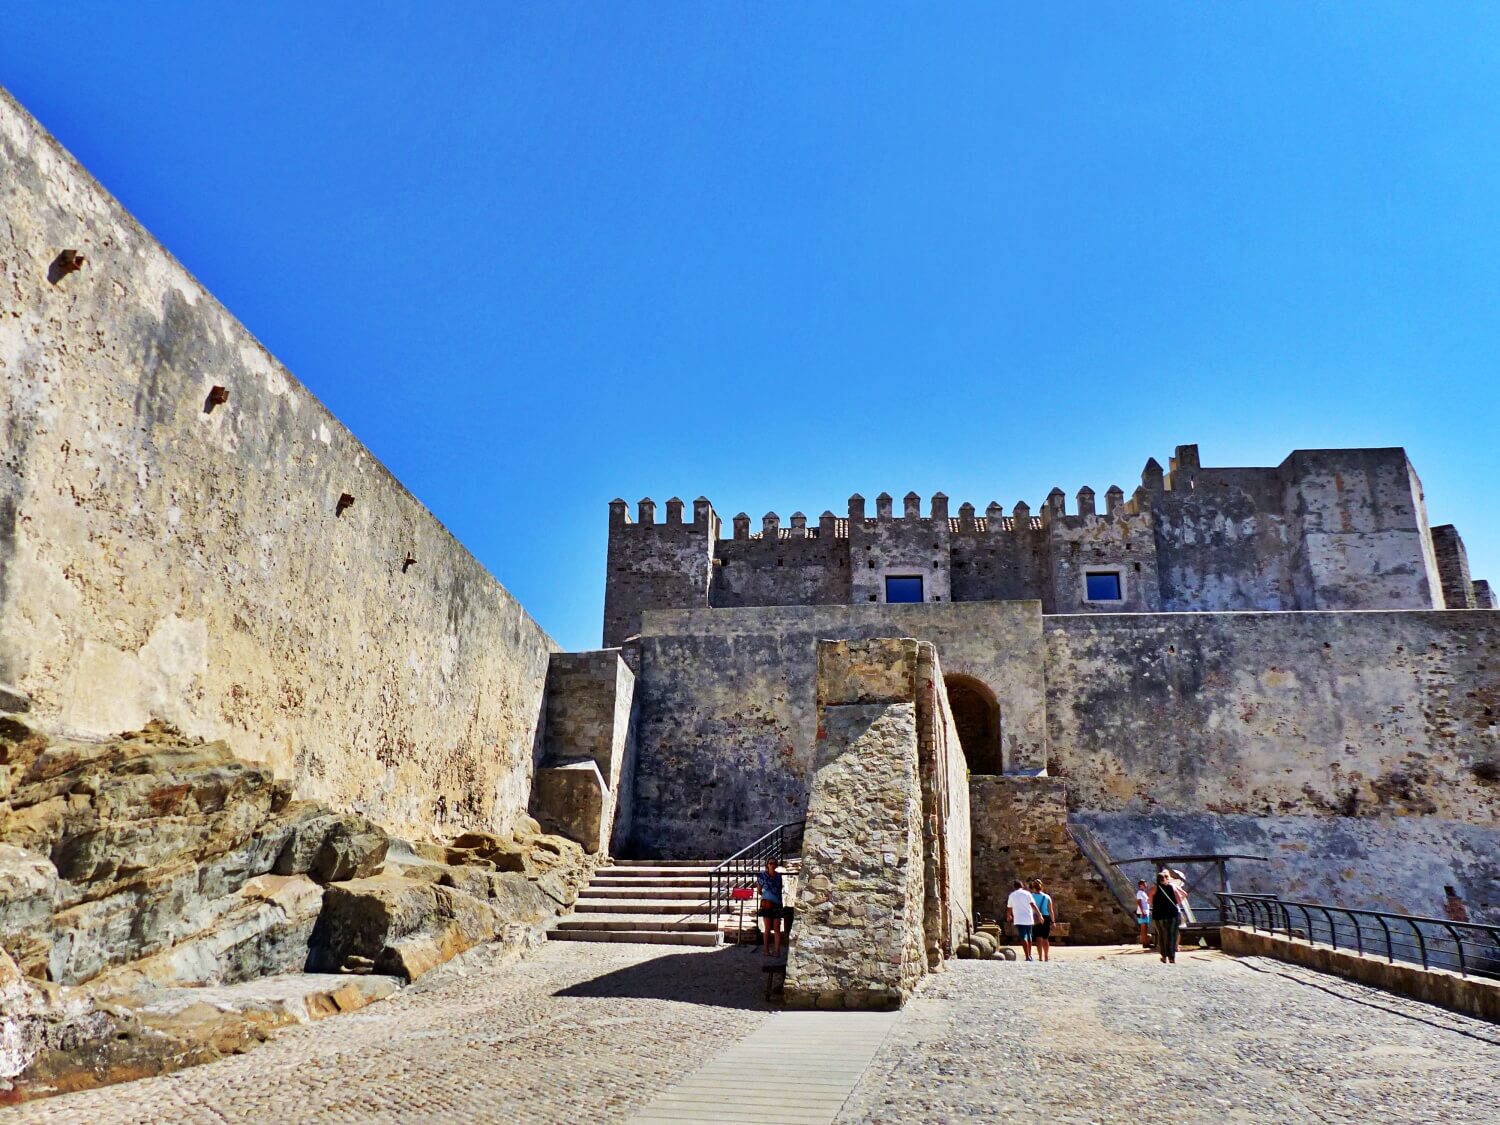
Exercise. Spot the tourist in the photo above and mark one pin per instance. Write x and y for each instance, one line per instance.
(1143, 912)
(1179, 888)
(1453, 907)
(1043, 930)
(773, 911)
(1021, 912)
(1166, 917)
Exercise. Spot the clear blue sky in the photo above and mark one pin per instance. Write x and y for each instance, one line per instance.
(540, 256)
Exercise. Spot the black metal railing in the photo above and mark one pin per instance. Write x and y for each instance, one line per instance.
(1467, 948)
(741, 869)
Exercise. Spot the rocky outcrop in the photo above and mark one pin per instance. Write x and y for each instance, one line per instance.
(163, 902)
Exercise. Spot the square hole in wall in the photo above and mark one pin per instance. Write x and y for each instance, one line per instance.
(1102, 586)
(903, 588)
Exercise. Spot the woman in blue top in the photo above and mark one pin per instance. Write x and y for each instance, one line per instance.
(1044, 927)
(772, 911)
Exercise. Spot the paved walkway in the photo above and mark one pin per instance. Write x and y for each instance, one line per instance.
(797, 1068)
(599, 1032)
(1119, 1037)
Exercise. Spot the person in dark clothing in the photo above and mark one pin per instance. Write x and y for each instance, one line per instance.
(1166, 917)
(773, 912)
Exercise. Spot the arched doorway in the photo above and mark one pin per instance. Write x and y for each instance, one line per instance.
(977, 717)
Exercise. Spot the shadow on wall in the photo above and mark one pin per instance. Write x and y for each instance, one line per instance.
(1399, 864)
(976, 714)
(727, 977)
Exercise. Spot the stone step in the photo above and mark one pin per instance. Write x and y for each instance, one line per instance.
(663, 866)
(637, 937)
(634, 922)
(685, 906)
(702, 876)
(653, 873)
(593, 890)
(649, 881)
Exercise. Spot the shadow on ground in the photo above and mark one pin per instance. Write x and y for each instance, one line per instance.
(727, 977)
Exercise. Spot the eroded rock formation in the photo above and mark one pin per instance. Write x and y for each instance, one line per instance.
(163, 902)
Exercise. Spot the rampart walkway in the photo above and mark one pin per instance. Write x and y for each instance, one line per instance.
(595, 1032)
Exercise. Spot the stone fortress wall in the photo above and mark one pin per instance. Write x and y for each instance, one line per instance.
(1326, 529)
(244, 568)
(728, 707)
(1389, 720)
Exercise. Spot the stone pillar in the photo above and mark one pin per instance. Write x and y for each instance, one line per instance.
(1453, 568)
(858, 941)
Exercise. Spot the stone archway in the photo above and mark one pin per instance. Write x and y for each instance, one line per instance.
(976, 714)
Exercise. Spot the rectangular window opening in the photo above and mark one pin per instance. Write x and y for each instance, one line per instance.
(1102, 586)
(900, 588)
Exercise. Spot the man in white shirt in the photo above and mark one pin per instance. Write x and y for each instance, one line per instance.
(1020, 912)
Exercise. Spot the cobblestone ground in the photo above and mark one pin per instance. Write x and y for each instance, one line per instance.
(591, 1032)
(1124, 1038)
(578, 1032)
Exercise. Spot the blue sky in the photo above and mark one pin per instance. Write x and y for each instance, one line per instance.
(537, 256)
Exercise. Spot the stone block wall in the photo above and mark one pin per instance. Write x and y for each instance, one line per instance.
(911, 546)
(572, 800)
(949, 913)
(728, 709)
(1453, 568)
(1363, 714)
(781, 568)
(1359, 534)
(590, 720)
(653, 565)
(1021, 831)
(241, 567)
(859, 941)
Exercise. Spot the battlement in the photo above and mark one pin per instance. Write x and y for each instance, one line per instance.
(1188, 538)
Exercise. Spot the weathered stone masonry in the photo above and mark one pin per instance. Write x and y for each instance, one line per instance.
(1309, 719)
(1021, 831)
(728, 708)
(1326, 529)
(885, 893)
(168, 554)
(585, 781)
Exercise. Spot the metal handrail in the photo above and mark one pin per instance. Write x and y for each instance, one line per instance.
(742, 868)
(1468, 948)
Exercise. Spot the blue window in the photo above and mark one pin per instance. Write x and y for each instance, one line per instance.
(903, 589)
(1102, 586)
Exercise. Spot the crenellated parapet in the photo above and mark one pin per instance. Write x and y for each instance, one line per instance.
(1186, 538)
(653, 565)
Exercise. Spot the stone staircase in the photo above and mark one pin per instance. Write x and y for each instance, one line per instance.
(652, 902)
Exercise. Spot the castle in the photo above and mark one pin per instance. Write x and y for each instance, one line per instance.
(1283, 661)
(1327, 529)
